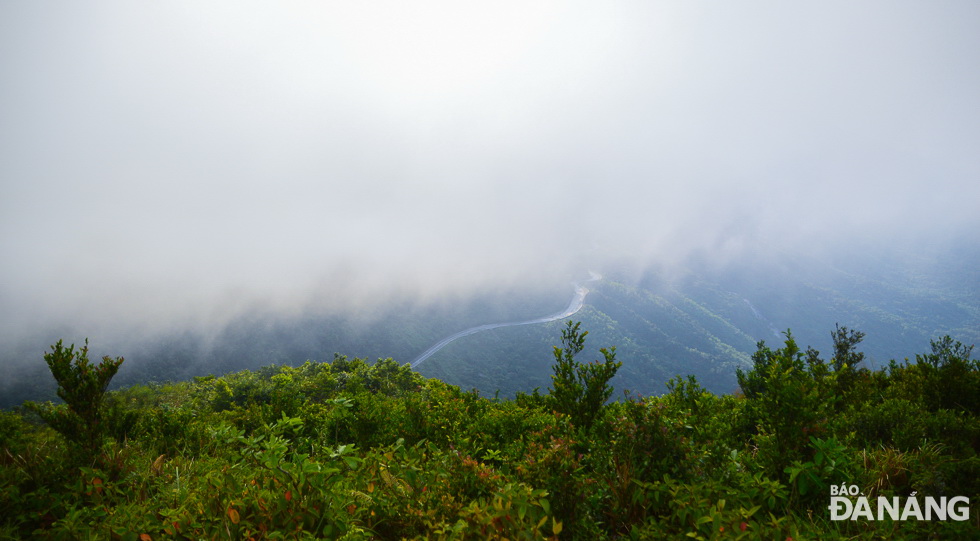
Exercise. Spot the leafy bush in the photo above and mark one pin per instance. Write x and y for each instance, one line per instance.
(787, 400)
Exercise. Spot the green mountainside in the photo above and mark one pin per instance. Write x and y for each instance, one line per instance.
(705, 322)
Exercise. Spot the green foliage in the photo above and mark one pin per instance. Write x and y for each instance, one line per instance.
(354, 450)
(845, 354)
(749, 507)
(811, 479)
(945, 379)
(788, 400)
(946, 351)
(82, 386)
(580, 390)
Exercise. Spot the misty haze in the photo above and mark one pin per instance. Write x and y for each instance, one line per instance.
(172, 176)
(169, 172)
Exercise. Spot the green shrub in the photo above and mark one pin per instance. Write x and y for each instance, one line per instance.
(891, 422)
(82, 386)
(580, 390)
(788, 401)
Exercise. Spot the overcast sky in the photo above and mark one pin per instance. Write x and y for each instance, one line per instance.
(179, 161)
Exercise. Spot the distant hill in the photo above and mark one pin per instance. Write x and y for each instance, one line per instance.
(708, 320)
(705, 321)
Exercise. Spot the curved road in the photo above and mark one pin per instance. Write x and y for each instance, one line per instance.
(574, 306)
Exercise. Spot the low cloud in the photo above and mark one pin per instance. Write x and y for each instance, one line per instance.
(175, 165)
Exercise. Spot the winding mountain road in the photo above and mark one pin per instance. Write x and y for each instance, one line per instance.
(578, 299)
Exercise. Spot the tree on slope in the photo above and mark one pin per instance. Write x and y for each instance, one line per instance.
(82, 386)
(580, 390)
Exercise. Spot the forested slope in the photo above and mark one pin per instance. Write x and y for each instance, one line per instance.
(703, 321)
(707, 321)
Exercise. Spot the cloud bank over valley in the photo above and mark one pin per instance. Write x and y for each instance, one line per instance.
(172, 166)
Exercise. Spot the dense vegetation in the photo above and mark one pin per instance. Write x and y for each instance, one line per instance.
(348, 449)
